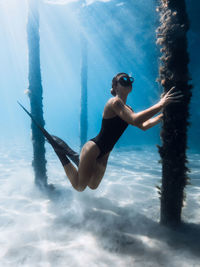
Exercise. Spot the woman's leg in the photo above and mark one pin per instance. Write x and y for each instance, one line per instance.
(99, 171)
(80, 178)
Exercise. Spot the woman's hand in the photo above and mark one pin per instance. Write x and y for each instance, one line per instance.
(170, 97)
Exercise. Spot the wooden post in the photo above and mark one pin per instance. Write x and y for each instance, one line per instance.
(35, 93)
(174, 72)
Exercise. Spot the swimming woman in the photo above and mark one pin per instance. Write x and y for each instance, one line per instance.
(116, 117)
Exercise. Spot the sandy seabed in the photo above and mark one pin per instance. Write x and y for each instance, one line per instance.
(115, 225)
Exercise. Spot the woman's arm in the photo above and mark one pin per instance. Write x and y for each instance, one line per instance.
(131, 117)
(151, 122)
(139, 118)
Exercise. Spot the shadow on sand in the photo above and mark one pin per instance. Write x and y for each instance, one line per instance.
(126, 231)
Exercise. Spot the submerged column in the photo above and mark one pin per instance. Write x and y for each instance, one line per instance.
(84, 93)
(35, 93)
(174, 72)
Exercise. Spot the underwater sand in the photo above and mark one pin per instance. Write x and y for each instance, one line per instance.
(115, 225)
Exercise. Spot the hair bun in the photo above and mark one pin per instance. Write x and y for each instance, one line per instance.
(113, 92)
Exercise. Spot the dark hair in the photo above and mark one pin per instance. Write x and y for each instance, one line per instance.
(114, 82)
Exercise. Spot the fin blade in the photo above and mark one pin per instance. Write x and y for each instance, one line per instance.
(45, 133)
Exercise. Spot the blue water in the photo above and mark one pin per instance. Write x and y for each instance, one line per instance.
(124, 43)
(117, 224)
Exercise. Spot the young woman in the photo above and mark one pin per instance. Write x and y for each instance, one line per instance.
(116, 117)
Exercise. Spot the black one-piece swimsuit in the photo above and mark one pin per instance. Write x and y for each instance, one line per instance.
(111, 130)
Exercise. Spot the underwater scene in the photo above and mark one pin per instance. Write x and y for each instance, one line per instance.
(126, 75)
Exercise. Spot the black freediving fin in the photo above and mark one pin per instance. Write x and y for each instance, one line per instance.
(57, 143)
(74, 156)
(45, 133)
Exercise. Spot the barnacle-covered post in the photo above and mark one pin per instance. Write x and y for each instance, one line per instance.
(35, 93)
(171, 36)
